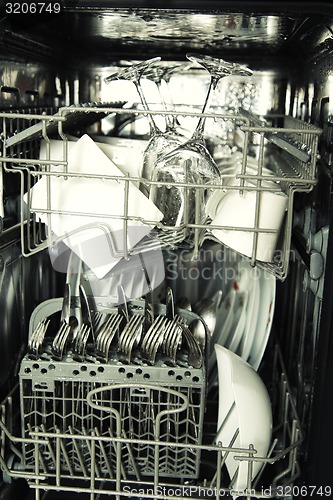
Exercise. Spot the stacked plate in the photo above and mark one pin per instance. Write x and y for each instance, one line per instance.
(244, 317)
(243, 324)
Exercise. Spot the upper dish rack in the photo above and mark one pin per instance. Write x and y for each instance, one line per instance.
(287, 146)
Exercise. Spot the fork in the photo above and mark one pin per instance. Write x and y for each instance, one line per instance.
(37, 338)
(80, 343)
(172, 339)
(131, 335)
(106, 335)
(60, 341)
(194, 351)
(153, 339)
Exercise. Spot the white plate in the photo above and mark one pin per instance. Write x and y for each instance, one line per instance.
(267, 283)
(251, 414)
(224, 320)
(251, 275)
(126, 154)
(93, 227)
(239, 320)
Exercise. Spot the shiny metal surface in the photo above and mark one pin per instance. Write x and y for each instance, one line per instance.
(104, 33)
(28, 84)
(166, 28)
(11, 318)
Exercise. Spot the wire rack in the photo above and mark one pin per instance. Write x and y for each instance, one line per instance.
(292, 160)
(139, 410)
(95, 462)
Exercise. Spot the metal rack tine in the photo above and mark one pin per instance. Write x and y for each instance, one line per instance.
(105, 455)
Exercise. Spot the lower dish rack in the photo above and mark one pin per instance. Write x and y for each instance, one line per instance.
(90, 437)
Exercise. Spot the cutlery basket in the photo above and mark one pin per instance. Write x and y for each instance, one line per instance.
(72, 401)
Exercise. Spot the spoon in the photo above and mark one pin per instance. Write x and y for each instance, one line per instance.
(184, 303)
(206, 309)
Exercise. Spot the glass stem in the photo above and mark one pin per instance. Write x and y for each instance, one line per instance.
(152, 125)
(199, 131)
(168, 118)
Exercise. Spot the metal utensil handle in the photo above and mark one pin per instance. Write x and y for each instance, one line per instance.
(73, 278)
(170, 304)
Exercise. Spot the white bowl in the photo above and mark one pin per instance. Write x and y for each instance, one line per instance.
(244, 404)
(235, 159)
(229, 174)
(230, 180)
(238, 210)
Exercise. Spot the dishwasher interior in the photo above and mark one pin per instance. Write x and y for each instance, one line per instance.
(132, 406)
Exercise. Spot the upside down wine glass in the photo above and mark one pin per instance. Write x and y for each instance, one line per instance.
(157, 74)
(191, 162)
(159, 141)
(161, 75)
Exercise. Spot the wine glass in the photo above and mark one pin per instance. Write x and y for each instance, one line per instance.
(191, 162)
(161, 76)
(159, 141)
(133, 73)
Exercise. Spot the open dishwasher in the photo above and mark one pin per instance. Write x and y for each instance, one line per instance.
(165, 216)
